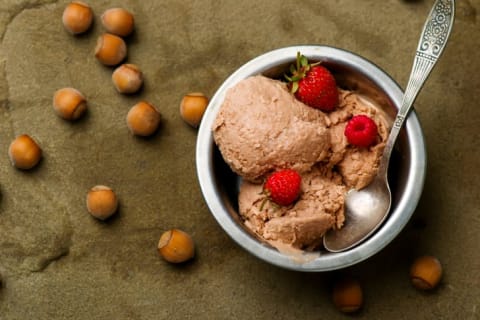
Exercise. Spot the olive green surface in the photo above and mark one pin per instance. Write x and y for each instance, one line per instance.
(57, 262)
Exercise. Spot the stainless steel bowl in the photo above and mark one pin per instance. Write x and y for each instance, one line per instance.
(407, 171)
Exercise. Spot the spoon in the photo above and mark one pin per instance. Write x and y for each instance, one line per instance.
(366, 209)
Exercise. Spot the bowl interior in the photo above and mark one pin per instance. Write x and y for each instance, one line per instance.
(220, 185)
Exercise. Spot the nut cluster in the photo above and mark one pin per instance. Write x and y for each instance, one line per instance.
(143, 119)
(425, 274)
(111, 49)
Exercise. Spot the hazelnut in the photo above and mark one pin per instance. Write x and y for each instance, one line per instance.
(193, 107)
(101, 202)
(127, 78)
(110, 49)
(77, 17)
(143, 119)
(347, 295)
(118, 21)
(69, 103)
(426, 272)
(24, 152)
(176, 246)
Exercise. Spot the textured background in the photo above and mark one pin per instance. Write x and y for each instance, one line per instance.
(59, 263)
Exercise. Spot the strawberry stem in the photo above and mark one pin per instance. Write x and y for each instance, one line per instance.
(298, 71)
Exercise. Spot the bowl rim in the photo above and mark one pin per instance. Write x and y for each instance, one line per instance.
(328, 261)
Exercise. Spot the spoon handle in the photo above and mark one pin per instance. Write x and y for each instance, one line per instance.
(433, 40)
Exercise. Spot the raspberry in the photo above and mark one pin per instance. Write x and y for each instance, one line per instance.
(361, 131)
(283, 187)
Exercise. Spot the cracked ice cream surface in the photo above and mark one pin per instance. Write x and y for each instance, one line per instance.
(262, 127)
(302, 224)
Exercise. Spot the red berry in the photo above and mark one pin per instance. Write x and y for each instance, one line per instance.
(318, 89)
(313, 84)
(283, 187)
(361, 131)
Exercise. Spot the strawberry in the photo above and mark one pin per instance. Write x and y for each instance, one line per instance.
(313, 84)
(361, 131)
(283, 186)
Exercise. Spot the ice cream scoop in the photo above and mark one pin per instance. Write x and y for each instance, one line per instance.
(366, 209)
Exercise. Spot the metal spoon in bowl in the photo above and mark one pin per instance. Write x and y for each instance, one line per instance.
(366, 209)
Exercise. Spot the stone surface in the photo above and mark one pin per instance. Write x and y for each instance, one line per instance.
(57, 262)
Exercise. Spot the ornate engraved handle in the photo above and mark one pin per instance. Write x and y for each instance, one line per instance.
(432, 42)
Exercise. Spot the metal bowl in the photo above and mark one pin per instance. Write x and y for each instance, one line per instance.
(220, 185)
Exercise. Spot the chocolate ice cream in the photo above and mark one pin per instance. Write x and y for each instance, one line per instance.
(261, 127)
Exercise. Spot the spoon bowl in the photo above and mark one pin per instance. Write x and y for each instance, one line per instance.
(366, 210)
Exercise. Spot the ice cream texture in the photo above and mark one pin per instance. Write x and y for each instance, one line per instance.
(261, 127)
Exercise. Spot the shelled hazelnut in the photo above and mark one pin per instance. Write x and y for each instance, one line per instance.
(102, 202)
(143, 119)
(127, 78)
(118, 21)
(176, 246)
(347, 295)
(24, 152)
(426, 272)
(77, 17)
(69, 103)
(110, 49)
(192, 108)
